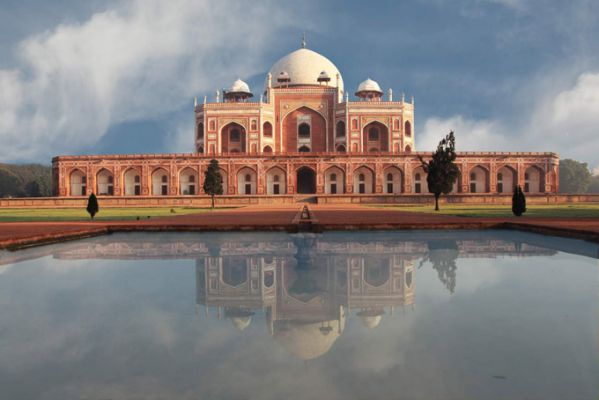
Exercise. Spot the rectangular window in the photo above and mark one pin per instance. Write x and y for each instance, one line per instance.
(137, 190)
(248, 188)
(164, 190)
(389, 188)
(333, 188)
(275, 189)
(110, 190)
(500, 187)
(192, 189)
(417, 188)
(362, 188)
(473, 187)
(526, 187)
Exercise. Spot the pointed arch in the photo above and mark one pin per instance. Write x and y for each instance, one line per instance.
(132, 181)
(363, 178)
(305, 180)
(104, 182)
(304, 128)
(507, 178)
(160, 182)
(276, 181)
(246, 181)
(479, 179)
(334, 180)
(188, 181)
(78, 183)
(340, 129)
(408, 129)
(233, 138)
(267, 129)
(534, 179)
(419, 183)
(393, 180)
(375, 136)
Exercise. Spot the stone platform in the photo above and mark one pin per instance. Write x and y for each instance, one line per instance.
(14, 235)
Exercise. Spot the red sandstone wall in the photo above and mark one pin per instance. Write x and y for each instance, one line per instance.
(318, 130)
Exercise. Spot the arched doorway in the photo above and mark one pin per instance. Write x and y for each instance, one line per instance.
(275, 181)
(233, 138)
(188, 182)
(160, 184)
(334, 179)
(506, 179)
(363, 181)
(375, 137)
(78, 183)
(246, 181)
(105, 183)
(306, 181)
(132, 180)
(534, 180)
(479, 180)
(393, 180)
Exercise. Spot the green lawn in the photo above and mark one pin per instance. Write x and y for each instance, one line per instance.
(75, 214)
(467, 210)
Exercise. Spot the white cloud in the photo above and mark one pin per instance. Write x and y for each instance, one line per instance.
(564, 120)
(140, 59)
(470, 134)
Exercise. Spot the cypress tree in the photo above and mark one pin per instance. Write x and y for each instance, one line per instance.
(92, 205)
(213, 180)
(518, 202)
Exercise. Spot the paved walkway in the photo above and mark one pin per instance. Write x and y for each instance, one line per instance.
(328, 217)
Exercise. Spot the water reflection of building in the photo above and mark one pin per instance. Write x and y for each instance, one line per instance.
(308, 295)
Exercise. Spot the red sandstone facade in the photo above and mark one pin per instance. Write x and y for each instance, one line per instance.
(303, 136)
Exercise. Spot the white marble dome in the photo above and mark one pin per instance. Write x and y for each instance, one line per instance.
(304, 66)
(369, 86)
(239, 86)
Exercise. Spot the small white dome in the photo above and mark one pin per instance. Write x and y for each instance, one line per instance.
(241, 322)
(303, 67)
(239, 86)
(369, 86)
(324, 75)
(371, 321)
(283, 76)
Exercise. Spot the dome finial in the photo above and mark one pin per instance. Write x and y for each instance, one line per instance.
(304, 40)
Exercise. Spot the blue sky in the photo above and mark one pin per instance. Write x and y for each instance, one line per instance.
(120, 76)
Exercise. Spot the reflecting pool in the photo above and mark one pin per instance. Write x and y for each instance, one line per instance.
(353, 315)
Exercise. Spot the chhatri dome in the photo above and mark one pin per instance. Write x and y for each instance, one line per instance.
(369, 86)
(305, 67)
(309, 340)
(240, 87)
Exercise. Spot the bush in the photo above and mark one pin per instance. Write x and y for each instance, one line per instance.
(518, 202)
(92, 205)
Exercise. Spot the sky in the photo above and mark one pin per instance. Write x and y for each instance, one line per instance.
(114, 77)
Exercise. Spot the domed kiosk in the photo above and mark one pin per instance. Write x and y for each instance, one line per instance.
(304, 67)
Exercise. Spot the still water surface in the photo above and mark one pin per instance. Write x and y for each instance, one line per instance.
(414, 315)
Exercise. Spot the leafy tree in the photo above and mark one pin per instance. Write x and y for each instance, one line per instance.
(594, 186)
(92, 205)
(10, 185)
(443, 254)
(574, 176)
(213, 180)
(442, 171)
(25, 180)
(518, 202)
(32, 189)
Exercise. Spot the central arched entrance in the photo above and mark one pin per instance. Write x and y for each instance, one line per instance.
(306, 181)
